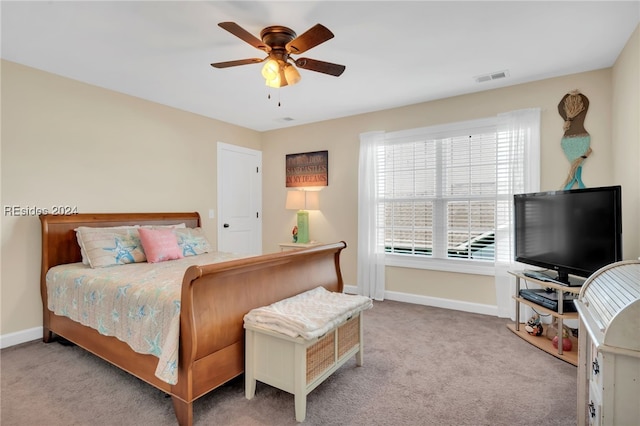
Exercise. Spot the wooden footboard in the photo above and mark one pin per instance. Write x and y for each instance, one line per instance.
(214, 300)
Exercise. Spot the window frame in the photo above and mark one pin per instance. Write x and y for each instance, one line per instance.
(457, 129)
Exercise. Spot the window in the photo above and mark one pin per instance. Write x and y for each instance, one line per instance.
(442, 198)
(438, 194)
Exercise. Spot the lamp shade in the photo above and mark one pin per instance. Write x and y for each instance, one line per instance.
(271, 69)
(312, 200)
(278, 73)
(295, 200)
(302, 200)
(291, 74)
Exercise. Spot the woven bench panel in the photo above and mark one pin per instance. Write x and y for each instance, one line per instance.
(348, 336)
(320, 356)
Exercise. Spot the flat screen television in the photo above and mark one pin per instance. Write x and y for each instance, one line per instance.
(571, 232)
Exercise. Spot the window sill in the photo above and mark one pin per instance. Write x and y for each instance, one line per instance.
(450, 265)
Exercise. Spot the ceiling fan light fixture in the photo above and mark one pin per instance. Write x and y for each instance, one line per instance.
(291, 74)
(271, 69)
(279, 74)
(275, 82)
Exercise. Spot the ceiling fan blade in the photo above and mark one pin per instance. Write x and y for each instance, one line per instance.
(245, 35)
(320, 66)
(236, 63)
(311, 38)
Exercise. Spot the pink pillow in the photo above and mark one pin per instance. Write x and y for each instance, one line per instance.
(159, 244)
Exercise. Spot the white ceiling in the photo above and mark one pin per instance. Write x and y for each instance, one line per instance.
(396, 53)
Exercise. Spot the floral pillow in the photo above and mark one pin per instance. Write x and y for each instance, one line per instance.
(192, 241)
(110, 246)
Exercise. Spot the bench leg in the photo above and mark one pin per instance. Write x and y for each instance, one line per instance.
(249, 387)
(249, 370)
(300, 381)
(360, 354)
(301, 407)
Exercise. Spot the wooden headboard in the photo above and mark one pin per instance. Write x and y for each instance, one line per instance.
(59, 243)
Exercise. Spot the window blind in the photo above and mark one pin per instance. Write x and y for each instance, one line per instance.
(437, 189)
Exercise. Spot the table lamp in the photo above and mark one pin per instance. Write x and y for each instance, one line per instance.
(302, 201)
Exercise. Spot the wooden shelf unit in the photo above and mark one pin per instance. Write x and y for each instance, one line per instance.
(542, 342)
(545, 344)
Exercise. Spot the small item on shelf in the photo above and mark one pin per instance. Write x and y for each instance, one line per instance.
(295, 234)
(566, 341)
(566, 344)
(534, 326)
(552, 330)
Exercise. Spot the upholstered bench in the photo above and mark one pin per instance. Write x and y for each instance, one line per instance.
(295, 344)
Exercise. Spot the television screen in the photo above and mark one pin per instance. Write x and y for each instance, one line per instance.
(569, 232)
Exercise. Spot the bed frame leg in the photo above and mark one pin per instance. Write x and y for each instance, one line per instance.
(47, 335)
(183, 410)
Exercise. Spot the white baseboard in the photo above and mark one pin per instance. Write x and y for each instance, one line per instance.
(35, 333)
(350, 289)
(12, 339)
(437, 302)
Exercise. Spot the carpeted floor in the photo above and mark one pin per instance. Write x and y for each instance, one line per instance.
(422, 366)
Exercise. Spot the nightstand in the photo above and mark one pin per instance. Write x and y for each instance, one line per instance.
(294, 246)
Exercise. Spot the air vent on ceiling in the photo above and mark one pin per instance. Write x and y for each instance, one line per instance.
(492, 76)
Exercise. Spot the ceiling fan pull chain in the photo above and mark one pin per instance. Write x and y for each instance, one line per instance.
(269, 96)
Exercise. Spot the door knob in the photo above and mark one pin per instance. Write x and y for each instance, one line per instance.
(226, 225)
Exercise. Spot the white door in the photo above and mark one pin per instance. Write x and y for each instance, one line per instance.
(239, 199)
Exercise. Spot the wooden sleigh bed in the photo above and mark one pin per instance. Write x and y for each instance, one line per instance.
(214, 299)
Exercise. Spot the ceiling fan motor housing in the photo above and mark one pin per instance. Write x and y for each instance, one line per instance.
(277, 37)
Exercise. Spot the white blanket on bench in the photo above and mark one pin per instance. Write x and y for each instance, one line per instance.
(310, 314)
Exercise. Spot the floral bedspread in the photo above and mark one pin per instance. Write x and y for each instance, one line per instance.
(139, 303)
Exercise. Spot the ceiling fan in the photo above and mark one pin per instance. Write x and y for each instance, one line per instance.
(280, 43)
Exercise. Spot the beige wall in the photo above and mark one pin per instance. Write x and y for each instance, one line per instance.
(69, 143)
(338, 216)
(337, 219)
(625, 140)
(65, 142)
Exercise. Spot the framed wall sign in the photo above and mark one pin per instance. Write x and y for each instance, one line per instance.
(307, 169)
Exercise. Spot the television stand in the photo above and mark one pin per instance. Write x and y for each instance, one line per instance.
(543, 276)
(542, 342)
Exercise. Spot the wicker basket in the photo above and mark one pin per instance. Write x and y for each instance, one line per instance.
(348, 336)
(322, 355)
